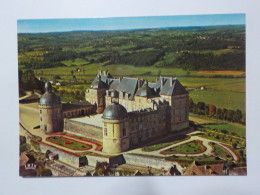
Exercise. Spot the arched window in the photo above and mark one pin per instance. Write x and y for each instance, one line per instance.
(105, 131)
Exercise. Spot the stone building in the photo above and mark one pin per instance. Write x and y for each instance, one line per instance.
(51, 117)
(96, 94)
(52, 111)
(78, 109)
(135, 110)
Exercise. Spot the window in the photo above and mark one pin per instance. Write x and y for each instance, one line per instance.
(40, 111)
(124, 132)
(41, 118)
(105, 131)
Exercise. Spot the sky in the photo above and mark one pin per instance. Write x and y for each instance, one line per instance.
(124, 23)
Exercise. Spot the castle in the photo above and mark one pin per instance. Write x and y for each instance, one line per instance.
(134, 110)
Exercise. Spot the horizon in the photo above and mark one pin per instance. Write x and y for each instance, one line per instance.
(34, 26)
(134, 29)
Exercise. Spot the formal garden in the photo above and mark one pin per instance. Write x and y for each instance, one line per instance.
(69, 143)
(220, 151)
(98, 145)
(192, 147)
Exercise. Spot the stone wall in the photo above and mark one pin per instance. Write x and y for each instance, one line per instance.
(63, 155)
(145, 161)
(115, 160)
(82, 129)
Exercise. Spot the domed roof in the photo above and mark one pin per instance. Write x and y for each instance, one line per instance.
(115, 111)
(49, 98)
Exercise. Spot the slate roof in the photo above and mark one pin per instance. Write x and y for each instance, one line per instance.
(49, 98)
(145, 91)
(171, 87)
(164, 86)
(114, 111)
(103, 77)
(128, 85)
(113, 84)
(99, 84)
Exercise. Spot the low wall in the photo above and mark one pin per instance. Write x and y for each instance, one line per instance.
(82, 129)
(116, 160)
(63, 155)
(145, 161)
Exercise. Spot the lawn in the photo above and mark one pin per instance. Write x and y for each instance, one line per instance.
(213, 124)
(219, 151)
(69, 143)
(226, 93)
(159, 146)
(235, 128)
(187, 148)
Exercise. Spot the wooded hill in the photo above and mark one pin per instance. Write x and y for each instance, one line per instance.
(193, 48)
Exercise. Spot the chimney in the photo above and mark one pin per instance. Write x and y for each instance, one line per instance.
(171, 81)
(120, 79)
(100, 72)
(104, 73)
(139, 83)
(161, 81)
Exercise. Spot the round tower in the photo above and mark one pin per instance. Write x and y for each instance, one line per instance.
(115, 129)
(51, 116)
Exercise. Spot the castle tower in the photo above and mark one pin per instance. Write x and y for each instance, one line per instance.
(115, 129)
(51, 116)
(96, 94)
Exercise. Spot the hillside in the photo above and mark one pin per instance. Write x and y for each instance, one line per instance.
(193, 48)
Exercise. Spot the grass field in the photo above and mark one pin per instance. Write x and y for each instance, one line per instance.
(187, 148)
(226, 93)
(212, 124)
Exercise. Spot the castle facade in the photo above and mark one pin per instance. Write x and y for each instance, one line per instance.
(135, 110)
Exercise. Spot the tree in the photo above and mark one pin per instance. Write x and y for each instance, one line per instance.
(219, 113)
(201, 107)
(212, 110)
(206, 110)
(234, 145)
(191, 105)
(223, 113)
(101, 167)
(56, 77)
(237, 117)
